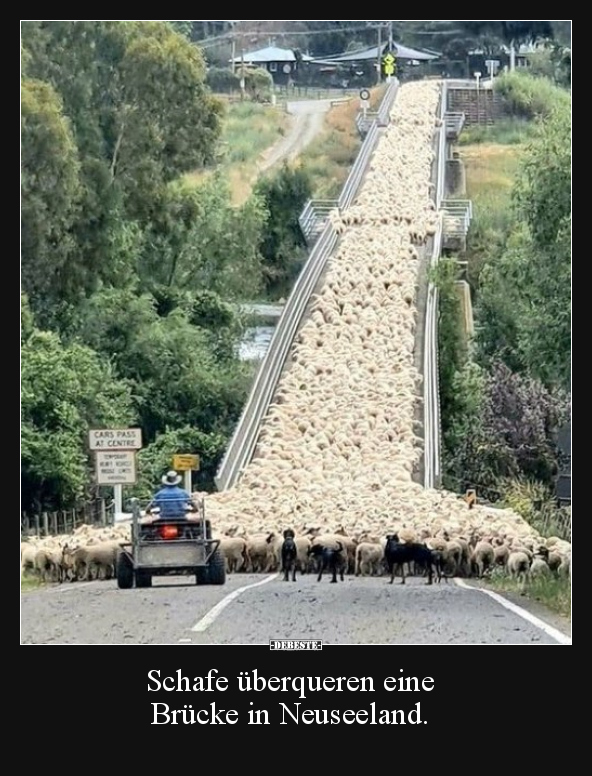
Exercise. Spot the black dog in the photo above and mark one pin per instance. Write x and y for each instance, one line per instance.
(397, 554)
(289, 555)
(330, 559)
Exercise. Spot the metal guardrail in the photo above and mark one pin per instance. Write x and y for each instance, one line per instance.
(432, 420)
(313, 217)
(365, 120)
(384, 111)
(456, 217)
(244, 440)
(455, 121)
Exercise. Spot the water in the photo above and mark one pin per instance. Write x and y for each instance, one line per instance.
(255, 343)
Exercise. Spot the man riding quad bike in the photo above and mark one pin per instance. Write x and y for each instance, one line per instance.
(173, 538)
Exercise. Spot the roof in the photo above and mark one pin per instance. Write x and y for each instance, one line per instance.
(269, 54)
(372, 53)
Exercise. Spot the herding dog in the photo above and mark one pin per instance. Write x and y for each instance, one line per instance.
(289, 555)
(330, 559)
(396, 554)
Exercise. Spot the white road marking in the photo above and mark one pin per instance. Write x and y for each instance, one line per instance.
(548, 629)
(215, 612)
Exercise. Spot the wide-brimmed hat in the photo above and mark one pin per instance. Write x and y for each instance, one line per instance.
(171, 478)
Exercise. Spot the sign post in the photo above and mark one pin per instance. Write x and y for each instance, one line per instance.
(115, 458)
(389, 65)
(186, 463)
(364, 100)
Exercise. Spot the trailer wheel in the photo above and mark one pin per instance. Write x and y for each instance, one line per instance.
(124, 571)
(143, 579)
(201, 576)
(217, 569)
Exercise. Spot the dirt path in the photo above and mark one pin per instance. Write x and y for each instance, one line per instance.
(307, 122)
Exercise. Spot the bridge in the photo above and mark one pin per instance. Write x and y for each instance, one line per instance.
(322, 237)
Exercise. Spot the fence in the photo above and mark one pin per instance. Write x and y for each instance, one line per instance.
(98, 513)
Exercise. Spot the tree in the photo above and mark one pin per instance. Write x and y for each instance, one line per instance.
(65, 391)
(157, 457)
(284, 194)
(506, 428)
(140, 116)
(50, 195)
(198, 240)
(176, 374)
(524, 305)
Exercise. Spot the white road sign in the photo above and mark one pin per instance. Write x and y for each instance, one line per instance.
(116, 468)
(115, 439)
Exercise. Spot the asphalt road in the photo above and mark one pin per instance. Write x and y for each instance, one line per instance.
(357, 611)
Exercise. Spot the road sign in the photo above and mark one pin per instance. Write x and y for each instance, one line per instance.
(115, 439)
(364, 105)
(364, 95)
(116, 467)
(186, 463)
(389, 64)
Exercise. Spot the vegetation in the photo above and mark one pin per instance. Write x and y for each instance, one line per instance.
(504, 400)
(131, 278)
(329, 157)
(553, 592)
(248, 130)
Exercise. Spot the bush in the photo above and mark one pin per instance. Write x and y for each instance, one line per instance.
(529, 96)
(222, 79)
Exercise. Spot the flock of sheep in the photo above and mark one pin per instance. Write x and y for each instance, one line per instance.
(339, 447)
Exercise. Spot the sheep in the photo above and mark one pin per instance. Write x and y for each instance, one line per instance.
(234, 550)
(369, 559)
(519, 566)
(338, 450)
(483, 558)
(92, 562)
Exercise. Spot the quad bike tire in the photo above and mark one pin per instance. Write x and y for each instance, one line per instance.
(124, 572)
(217, 569)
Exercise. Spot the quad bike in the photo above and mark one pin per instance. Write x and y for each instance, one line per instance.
(170, 547)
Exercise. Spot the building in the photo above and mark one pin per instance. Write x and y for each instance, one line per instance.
(283, 64)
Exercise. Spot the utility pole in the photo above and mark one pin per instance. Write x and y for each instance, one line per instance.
(390, 36)
(233, 55)
(242, 76)
(379, 57)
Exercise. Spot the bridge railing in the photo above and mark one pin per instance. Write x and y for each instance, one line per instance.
(243, 442)
(432, 422)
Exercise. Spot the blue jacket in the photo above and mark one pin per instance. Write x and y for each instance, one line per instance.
(172, 500)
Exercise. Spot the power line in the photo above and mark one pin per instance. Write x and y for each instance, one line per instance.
(233, 35)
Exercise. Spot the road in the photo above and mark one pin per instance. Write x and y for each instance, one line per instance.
(307, 122)
(251, 609)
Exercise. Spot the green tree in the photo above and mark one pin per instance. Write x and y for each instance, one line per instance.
(524, 308)
(176, 374)
(283, 246)
(157, 458)
(50, 195)
(198, 241)
(65, 391)
(141, 115)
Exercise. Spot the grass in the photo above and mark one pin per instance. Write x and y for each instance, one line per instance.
(554, 592)
(249, 129)
(328, 159)
(29, 583)
(511, 131)
(490, 170)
